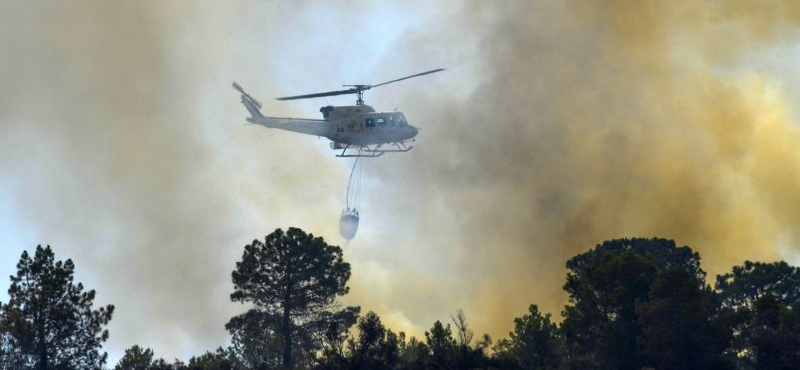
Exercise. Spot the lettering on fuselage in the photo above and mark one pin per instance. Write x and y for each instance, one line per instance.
(368, 128)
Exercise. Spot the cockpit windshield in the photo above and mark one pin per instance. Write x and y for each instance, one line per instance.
(400, 119)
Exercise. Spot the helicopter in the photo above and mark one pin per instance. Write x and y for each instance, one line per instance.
(358, 130)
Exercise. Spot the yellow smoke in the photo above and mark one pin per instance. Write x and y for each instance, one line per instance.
(600, 120)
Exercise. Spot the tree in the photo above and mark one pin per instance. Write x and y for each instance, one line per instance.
(463, 339)
(135, 358)
(255, 339)
(535, 343)
(10, 357)
(680, 326)
(414, 355)
(600, 326)
(221, 359)
(775, 334)
(375, 347)
(467, 355)
(292, 279)
(758, 299)
(746, 283)
(49, 320)
(442, 346)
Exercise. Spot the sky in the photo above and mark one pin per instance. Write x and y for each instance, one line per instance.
(557, 125)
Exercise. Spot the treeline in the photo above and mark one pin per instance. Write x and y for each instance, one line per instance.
(633, 304)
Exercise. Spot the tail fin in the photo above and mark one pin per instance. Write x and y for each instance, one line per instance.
(252, 105)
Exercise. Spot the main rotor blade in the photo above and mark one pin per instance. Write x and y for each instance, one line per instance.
(317, 95)
(407, 77)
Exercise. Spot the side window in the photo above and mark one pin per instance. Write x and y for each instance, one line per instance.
(381, 122)
(370, 122)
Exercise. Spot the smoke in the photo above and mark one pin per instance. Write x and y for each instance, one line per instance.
(557, 125)
(593, 120)
(110, 153)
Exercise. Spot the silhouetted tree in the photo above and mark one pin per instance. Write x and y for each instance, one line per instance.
(221, 359)
(535, 343)
(467, 355)
(600, 325)
(414, 355)
(292, 279)
(162, 364)
(10, 356)
(375, 347)
(775, 334)
(255, 339)
(680, 326)
(758, 300)
(463, 340)
(442, 346)
(745, 284)
(135, 358)
(49, 320)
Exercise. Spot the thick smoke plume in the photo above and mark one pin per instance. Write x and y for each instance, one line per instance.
(596, 120)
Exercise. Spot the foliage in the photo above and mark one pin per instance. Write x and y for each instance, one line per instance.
(775, 334)
(255, 339)
(414, 354)
(49, 322)
(292, 279)
(135, 358)
(746, 283)
(601, 326)
(535, 343)
(680, 327)
(221, 359)
(467, 355)
(442, 346)
(760, 301)
(634, 304)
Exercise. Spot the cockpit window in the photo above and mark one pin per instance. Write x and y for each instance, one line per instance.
(401, 120)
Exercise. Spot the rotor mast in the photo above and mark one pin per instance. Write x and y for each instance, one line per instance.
(359, 91)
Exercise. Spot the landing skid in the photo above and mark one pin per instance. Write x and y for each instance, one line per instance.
(372, 151)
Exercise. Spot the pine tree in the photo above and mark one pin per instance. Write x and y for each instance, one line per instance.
(292, 278)
(49, 320)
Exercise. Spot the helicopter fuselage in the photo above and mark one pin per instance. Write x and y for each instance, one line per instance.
(353, 126)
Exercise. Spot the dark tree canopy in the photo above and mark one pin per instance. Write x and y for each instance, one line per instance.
(255, 339)
(442, 345)
(601, 326)
(535, 343)
(49, 321)
(136, 358)
(633, 304)
(774, 334)
(746, 283)
(292, 278)
(758, 300)
(467, 355)
(680, 326)
(414, 354)
(221, 359)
